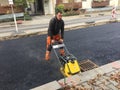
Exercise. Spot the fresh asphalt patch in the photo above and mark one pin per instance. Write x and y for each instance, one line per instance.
(22, 64)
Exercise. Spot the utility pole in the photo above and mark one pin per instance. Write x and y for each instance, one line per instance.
(11, 3)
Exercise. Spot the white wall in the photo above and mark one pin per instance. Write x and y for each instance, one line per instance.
(118, 2)
(114, 3)
(46, 7)
(49, 6)
(52, 7)
(77, 0)
(86, 4)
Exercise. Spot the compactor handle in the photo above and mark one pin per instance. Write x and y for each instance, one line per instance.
(58, 46)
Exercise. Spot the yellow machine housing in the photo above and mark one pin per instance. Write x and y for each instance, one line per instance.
(71, 68)
(69, 63)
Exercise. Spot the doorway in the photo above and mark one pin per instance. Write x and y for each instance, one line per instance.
(39, 7)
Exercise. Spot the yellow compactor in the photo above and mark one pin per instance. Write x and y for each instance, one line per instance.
(69, 63)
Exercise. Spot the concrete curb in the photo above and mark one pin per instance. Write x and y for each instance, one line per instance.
(81, 77)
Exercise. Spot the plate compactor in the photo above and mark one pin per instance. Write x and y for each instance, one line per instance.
(69, 63)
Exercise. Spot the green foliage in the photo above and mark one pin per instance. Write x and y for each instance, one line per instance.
(27, 17)
(70, 13)
(20, 3)
(59, 7)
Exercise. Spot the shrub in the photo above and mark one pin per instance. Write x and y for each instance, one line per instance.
(71, 13)
(59, 7)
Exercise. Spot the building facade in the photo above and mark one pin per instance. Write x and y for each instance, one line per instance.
(49, 5)
(45, 7)
(42, 7)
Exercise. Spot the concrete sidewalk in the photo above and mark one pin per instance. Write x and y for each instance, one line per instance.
(45, 19)
(96, 79)
(71, 22)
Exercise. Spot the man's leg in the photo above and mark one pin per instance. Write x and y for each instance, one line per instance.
(48, 48)
(47, 55)
(62, 51)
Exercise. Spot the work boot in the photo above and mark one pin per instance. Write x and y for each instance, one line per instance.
(47, 55)
(62, 52)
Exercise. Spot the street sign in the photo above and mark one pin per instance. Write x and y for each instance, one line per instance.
(10, 1)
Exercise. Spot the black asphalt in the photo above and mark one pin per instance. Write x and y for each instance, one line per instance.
(22, 64)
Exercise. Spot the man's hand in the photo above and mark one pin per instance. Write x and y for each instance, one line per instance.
(53, 41)
(61, 40)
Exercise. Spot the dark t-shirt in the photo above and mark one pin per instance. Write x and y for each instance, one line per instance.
(56, 27)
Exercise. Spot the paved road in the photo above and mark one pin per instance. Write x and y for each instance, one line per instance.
(22, 64)
(45, 24)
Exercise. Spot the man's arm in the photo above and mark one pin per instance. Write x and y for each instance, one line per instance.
(62, 30)
(51, 27)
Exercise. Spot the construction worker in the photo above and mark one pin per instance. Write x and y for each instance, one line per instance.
(55, 33)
